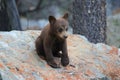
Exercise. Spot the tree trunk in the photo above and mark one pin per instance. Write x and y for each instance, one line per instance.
(89, 19)
(9, 17)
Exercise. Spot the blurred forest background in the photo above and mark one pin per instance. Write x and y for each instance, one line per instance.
(34, 15)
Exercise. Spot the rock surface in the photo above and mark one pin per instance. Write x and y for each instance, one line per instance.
(19, 61)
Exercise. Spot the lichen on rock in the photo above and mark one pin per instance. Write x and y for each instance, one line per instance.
(19, 60)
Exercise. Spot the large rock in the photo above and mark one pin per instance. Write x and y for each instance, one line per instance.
(19, 61)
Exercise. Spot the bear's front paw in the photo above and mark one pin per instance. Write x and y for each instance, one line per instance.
(65, 61)
(53, 64)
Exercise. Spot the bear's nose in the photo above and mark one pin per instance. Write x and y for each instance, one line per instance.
(65, 36)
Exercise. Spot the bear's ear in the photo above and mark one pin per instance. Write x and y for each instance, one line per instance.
(52, 19)
(66, 16)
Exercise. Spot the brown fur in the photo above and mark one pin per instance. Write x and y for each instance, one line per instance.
(53, 40)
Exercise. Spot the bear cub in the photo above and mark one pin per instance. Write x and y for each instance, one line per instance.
(52, 41)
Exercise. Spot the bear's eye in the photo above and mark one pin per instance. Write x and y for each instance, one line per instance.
(60, 30)
(66, 29)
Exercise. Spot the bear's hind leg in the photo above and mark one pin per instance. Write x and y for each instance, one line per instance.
(39, 48)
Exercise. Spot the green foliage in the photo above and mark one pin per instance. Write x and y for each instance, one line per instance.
(116, 22)
(119, 46)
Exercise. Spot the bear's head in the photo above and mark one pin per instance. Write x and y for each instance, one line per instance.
(59, 26)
